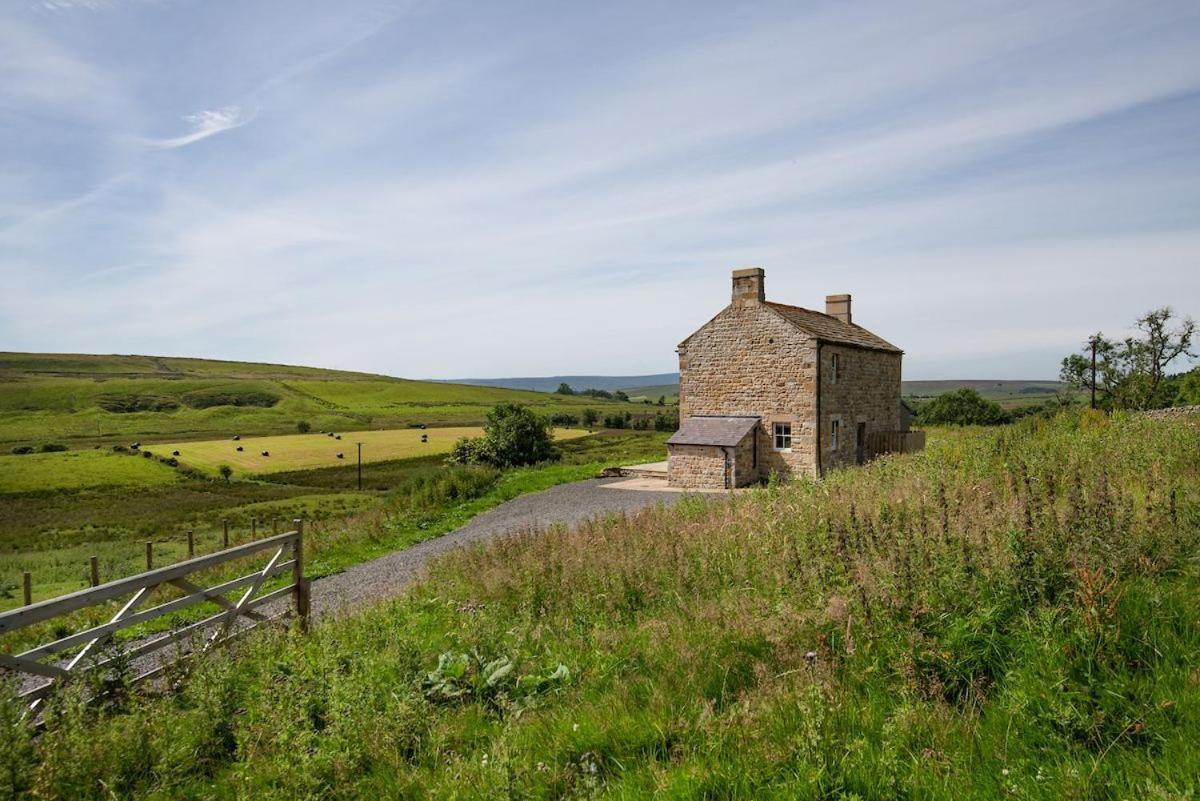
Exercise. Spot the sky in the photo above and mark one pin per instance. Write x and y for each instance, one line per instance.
(448, 189)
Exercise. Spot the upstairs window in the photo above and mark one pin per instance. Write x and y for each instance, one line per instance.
(835, 428)
(835, 367)
(783, 436)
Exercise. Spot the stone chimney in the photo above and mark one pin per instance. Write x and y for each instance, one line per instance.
(748, 286)
(838, 306)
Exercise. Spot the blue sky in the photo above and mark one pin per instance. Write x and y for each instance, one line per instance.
(447, 189)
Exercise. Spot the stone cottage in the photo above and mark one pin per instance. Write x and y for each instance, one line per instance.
(765, 387)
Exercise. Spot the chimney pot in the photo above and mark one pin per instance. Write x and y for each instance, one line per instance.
(748, 285)
(838, 306)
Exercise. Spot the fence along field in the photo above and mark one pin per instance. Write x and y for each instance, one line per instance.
(88, 649)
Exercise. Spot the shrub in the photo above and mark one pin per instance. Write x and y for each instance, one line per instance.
(226, 471)
(22, 449)
(666, 421)
(590, 417)
(129, 402)
(303, 427)
(53, 447)
(512, 436)
(563, 419)
(963, 407)
(207, 398)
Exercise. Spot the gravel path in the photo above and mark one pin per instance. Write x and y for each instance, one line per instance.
(568, 504)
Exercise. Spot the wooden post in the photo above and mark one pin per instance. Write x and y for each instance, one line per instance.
(298, 576)
(225, 534)
(191, 544)
(149, 555)
(254, 528)
(27, 587)
(94, 564)
(274, 525)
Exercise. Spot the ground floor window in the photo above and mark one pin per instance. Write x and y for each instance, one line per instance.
(835, 428)
(783, 436)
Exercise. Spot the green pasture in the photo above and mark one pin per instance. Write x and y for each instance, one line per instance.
(109, 399)
(80, 469)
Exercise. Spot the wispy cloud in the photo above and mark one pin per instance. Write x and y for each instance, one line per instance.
(1019, 173)
(204, 125)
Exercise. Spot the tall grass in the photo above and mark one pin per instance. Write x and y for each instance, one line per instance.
(1012, 613)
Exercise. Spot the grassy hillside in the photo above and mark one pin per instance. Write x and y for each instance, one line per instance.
(1014, 613)
(79, 399)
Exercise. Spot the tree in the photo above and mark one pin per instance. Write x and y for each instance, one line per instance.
(303, 427)
(564, 389)
(590, 416)
(512, 436)
(226, 471)
(1131, 373)
(620, 395)
(963, 407)
(662, 400)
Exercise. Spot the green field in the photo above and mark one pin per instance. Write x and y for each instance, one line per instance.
(74, 470)
(306, 451)
(83, 400)
(1013, 613)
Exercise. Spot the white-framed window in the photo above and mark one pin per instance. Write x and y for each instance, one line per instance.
(783, 436)
(835, 367)
(835, 429)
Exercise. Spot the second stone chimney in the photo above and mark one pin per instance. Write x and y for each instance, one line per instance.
(838, 306)
(748, 286)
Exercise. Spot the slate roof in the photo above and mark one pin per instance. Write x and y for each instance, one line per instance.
(831, 329)
(722, 431)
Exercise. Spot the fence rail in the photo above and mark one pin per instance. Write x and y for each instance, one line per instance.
(287, 555)
(881, 442)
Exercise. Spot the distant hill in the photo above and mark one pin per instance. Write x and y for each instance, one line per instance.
(577, 382)
(1007, 392)
(80, 399)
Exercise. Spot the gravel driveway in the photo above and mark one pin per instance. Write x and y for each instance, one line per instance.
(568, 504)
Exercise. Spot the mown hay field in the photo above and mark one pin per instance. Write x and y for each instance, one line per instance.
(1014, 613)
(307, 451)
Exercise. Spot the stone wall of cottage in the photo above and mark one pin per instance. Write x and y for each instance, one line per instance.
(750, 361)
(745, 471)
(696, 466)
(867, 391)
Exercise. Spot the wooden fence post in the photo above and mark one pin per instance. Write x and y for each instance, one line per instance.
(225, 534)
(149, 555)
(191, 544)
(94, 564)
(27, 587)
(254, 528)
(274, 525)
(298, 576)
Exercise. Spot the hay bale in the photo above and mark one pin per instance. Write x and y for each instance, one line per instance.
(266, 453)
(341, 455)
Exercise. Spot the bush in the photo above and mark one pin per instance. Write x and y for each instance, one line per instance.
(512, 436)
(590, 417)
(666, 421)
(963, 407)
(563, 419)
(303, 427)
(472, 450)
(53, 447)
(22, 449)
(129, 402)
(207, 398)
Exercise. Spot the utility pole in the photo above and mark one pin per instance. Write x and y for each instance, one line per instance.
(1093, 343)
(360, 466)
